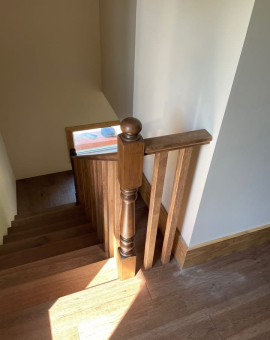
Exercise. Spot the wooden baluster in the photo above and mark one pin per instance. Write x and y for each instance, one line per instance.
(100, 199)
(111, 206)
(72, 153)
(104, 167)
(154, 207)
(176, 200)
(117, 213)
(130, 170)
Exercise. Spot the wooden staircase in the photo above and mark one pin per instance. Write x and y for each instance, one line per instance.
(58, 258)
(48, 255)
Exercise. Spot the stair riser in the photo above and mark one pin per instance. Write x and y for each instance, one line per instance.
(54, 249)
(46, 211)
(44, 222)
(44, 230)
(48, 217)
(45, 239)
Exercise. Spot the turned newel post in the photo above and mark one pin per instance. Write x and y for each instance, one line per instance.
(130, 170)
(72, 153)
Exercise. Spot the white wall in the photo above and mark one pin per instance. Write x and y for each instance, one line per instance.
(118, 25)
(236, 195)
(186, 57)
(8, 207)
(50, 78)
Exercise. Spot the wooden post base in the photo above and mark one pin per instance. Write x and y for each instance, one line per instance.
(126, 266)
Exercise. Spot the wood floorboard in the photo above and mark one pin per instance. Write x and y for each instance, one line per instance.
(245, 318)
(51, 266)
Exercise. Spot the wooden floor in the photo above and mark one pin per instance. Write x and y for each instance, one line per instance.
(227, 298)
(43, 192)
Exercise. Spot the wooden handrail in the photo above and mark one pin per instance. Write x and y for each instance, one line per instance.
(177, 141)
(112, 156)
(163, 143)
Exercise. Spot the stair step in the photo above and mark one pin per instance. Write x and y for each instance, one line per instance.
(21, 235)
(42, 240)
(53, 287)
(42, 221)
(48, 210)
(51, 266)
(56, 248)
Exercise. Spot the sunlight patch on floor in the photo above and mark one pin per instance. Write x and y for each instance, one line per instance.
(96, 312)
(103, 326)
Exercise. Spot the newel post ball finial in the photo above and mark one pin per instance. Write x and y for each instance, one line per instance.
(131, 128)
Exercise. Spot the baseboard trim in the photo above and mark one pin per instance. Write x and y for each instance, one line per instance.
(191, 256)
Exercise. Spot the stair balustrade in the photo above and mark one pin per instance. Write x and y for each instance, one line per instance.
(107, 187)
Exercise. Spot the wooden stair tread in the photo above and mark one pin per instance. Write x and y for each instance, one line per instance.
(20, 235)
(51, 266)
(48, 210)
(47, 218)
(44, 239)
(52, 249)
(86, 287)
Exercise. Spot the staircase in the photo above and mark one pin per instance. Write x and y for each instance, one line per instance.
(56, 279)
(48, 255)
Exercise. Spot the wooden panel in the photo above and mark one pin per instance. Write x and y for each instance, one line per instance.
(100, 226)
(117, 214)
(145, 191)
(176, 201)
(154, 207)
(176, 141)
(71, 129)
(104, 167)
(95, 197)
(97, 187)
(179, 247)
(130, 163)
(111, 206)
(89, 193)
(102, 157)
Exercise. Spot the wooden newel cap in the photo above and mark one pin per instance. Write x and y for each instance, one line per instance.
(131, 128)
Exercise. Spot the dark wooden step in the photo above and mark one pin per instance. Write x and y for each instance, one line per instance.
(53, 249)
(48, 210)
(45, 230)
(51, 266)
(42, 240)
(44, 221)
(47, 216)
(50, 288)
